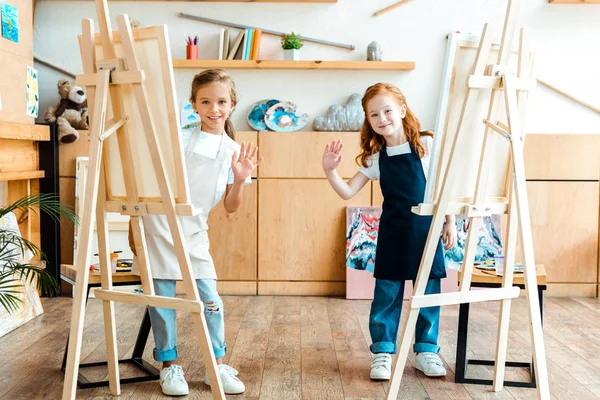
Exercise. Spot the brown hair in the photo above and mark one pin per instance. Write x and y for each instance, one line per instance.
(371, 142)
(217, 76)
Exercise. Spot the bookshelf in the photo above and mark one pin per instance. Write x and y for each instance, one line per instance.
(296, 65)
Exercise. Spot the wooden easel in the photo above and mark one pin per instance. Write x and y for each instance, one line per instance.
(479, 204)
(114, 184)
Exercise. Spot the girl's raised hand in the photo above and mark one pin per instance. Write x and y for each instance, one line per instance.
(245, 162)
(332, 156)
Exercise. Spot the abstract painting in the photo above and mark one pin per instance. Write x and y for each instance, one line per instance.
(10, 22)
(489, 243)
(362, 226)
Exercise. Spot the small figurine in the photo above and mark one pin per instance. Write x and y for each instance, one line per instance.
(374, 52)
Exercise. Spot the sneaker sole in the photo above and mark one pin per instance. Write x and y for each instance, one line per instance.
(175, 394)
(380, 377)
(208, 384)
(431, 375)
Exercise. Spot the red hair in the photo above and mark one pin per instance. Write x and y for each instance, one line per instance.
(371, 142)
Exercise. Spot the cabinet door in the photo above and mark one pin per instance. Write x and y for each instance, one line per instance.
(233, 238)
(564, 223)
(300, 154)
(302, 230)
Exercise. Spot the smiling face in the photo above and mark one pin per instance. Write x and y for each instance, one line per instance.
(385, 117)
(213, 104)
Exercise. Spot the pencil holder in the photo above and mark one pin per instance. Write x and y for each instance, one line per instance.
(191, 52)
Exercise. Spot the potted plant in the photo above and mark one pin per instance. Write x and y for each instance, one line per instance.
(14, 270)
(291, 44)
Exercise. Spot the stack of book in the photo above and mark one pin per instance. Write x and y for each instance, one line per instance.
(245, 46)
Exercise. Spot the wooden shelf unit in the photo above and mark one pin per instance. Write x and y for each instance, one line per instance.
(242, 1)
(296, 65)
(574, 1)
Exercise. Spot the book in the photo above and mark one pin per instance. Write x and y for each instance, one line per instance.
(248, 44)
(236, 44)
(256, 44)
(221, 40)
(226, 44)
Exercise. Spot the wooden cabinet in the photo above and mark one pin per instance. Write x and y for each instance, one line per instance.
(302, 229)
(300, 154)
(564, 223)
(18, 134)
(233, 238)
(301, 220)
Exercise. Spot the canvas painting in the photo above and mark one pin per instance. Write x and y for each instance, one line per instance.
(189, 118)
(10, 22)
(362, 226)
(489, 243)
(30, 305)
(32, 94)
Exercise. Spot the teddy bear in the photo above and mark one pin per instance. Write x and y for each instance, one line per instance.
(70, 113)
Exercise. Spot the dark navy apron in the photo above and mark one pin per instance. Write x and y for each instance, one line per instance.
(402, 234)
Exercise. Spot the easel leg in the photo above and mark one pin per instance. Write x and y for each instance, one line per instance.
(85, 237)
(408, 332)
(507, 281)
(110, 330)
(537, 335)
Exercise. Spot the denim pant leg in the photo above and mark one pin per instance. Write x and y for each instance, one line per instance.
(428, 323)
(163, 322)
(213, 312)
(385, 315)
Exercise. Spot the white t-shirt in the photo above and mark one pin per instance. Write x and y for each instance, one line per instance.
(372, 171)
(208, 145)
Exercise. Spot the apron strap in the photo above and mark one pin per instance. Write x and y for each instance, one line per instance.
(192, 143)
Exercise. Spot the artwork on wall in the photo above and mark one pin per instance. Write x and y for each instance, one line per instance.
(10, 22)
(362, 226)
(32, 94)
(189, 117)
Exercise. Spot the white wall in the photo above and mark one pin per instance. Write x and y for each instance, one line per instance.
(567, 37)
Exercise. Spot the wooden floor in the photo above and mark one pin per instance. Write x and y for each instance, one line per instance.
(310, 348)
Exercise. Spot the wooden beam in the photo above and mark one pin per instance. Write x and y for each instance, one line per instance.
(21, 131)
(17, 176)
(570, 96)
(473, 296)
(297, 65)
(151, 300)
(390, 8)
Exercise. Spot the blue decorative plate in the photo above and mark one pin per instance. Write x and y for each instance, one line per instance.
(256, 116)
(282, 117)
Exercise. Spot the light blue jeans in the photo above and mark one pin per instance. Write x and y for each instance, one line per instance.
(164, 319)
(385, 318)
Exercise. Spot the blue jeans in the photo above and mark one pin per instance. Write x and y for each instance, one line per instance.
(385, 318)
(163, 319)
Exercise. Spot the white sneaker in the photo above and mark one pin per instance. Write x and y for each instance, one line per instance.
(381, 366)
(172, 381)
(430, 364)
(229, 380)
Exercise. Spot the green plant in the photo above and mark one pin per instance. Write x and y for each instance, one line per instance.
(291, 41)
(13, 249)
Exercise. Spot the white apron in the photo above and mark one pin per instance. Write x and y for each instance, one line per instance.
(203, 173)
